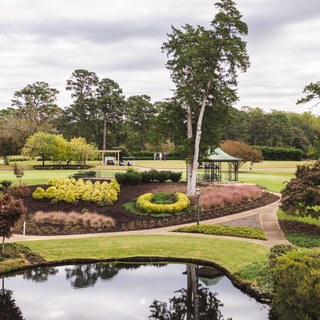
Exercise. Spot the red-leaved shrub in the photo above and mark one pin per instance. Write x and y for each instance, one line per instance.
(214, 196)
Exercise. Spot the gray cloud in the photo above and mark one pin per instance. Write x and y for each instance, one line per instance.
(121, 40)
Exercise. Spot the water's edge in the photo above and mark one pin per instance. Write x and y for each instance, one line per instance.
(239, 283)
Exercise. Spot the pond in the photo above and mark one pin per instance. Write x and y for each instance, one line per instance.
(125, 291)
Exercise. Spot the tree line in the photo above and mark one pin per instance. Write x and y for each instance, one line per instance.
(203, 64)
(101, 114)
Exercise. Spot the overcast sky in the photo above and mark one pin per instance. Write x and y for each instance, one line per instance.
(47, 40)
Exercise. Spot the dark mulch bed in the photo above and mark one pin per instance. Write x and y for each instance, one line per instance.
(125, 220)
(299, 227)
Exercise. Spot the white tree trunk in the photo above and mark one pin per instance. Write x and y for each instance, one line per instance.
(191, 185)
(190, 134)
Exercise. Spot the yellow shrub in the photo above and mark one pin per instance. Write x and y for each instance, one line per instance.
(60, 195)
(97, 185)
(96, 196)
(78, 192)
(87, 196)
(80, 182)
(51, 192)
(69, 197)
(50, 182)
(89, 183)
(115, 185)
(39, 194)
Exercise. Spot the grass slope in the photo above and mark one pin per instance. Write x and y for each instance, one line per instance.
(232, 255)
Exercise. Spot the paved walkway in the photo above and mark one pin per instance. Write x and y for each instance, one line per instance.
(267, 217)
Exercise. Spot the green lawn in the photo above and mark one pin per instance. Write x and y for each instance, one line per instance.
(232, 255)
(33, 177)
(282, 215)
(272, 179)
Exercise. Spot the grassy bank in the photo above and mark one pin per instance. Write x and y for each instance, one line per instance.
(230, 254)
(282, 215)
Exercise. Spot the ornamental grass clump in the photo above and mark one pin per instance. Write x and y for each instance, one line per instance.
(220, 197)
(70, 191)
(92, 220)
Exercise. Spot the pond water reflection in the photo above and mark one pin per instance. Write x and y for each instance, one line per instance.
(125, 291)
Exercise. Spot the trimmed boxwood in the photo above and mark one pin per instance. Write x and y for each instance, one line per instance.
(144, 204)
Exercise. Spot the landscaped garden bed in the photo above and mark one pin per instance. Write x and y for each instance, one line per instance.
(123, 219)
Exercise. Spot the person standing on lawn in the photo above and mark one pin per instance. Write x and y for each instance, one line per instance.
(133, 161)
(155, 156)
(164, 156)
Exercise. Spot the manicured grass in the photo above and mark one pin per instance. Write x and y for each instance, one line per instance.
(36, 177)
(180, 164)
(272, 179)
(282, 215)
(232, 255)
(276, 164)
(170, 164)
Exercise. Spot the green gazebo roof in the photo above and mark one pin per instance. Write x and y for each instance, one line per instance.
(221, 156)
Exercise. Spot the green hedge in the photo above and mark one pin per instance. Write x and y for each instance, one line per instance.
(134, 178)
(277, 153)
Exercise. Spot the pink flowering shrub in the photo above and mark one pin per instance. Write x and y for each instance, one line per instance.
(213, 197)
(92, 220)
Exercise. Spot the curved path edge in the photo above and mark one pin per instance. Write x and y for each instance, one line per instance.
(268, 221)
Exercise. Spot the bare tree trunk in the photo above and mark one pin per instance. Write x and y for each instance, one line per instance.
(191, 185)
(2, 244)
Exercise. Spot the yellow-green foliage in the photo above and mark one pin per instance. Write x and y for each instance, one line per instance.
(115, 185)
(96, 195)
(60, 195)
(39, 194)
(144, 204)
(70, 190)
(69, 196)
(50, 182)
(51, 192)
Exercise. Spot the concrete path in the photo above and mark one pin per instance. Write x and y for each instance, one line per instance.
(267, 218)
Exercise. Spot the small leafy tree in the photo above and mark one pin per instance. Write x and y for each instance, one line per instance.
(8, 147)
(81, 150)
(300, 197)
(40, 144)
(18, 172)
(10, 212)
(243, 151)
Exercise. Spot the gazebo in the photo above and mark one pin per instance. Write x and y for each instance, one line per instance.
(213, 167)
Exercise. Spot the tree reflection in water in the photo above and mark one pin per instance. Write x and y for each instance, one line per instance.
(40, 274)
(195, 302)
(8, 307)
(83, 276)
